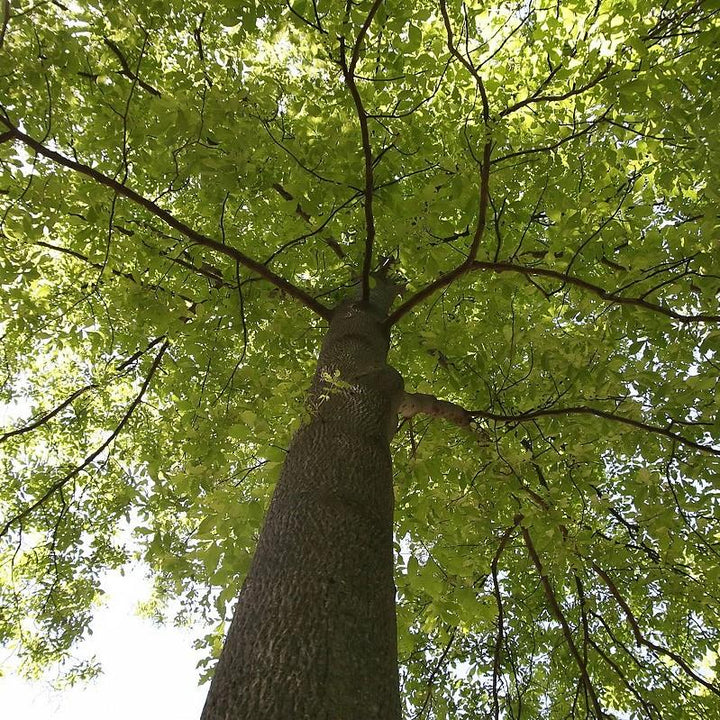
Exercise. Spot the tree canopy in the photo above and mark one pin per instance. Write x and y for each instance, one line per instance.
(188, 189)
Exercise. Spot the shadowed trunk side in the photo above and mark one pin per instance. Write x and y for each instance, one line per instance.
(314, 632)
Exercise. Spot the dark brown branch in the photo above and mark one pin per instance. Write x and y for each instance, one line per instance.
(484, 193)
(484, 201)
(173, 222)
(348, 71)
(48, 415)
(304, 20)
(499, 267)
(58, 484)
(584, 410)
(553, 146)
(537, 98)
(433, 675)
(618, 671)
(6, 20)
(583, 616)
(557, 611)
(355, 56)
(139, 353)
(330, 241)
(314, 173)
(127, 72)
(640, 639)
(659, 138)
(500, 637)
(465, 62)
(412, 404)
(117, 273)
(197, 34)
(468, 263)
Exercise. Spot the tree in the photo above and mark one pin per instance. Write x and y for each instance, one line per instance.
(517, 201)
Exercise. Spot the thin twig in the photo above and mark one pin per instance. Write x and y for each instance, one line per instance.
(58, 484)
(557, 611)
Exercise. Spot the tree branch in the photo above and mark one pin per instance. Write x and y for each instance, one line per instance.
(433, 675)
(465, 62)
(553, 146)
(127, 72)
(484, 191)
(423, 404)
(557, 611)
(48, 415)
(329, 240)
(348, 71)
(500, 636)
(5, 21)
(413, 404)
(172, 221)
(537, 98)
(500, 267)
(585, 410)
(129, 276)
(640, 639)
(57, 485)
(618, 671)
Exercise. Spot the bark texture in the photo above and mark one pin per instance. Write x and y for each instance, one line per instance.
(314, 632)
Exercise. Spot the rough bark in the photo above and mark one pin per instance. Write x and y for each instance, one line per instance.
(314, 632)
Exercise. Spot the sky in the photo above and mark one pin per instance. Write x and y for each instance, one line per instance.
(149, 671)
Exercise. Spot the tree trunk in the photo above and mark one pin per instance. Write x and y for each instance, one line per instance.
(314, 632)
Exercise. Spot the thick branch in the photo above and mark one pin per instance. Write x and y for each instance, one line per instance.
(423, 404)
(412, 404)
(500, 267)
(585, 410)
(361, 35)
(172, 221)
(349, 76)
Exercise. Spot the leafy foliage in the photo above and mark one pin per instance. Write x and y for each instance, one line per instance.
(186, 190)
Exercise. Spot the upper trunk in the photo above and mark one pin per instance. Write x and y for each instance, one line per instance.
(314, 632)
